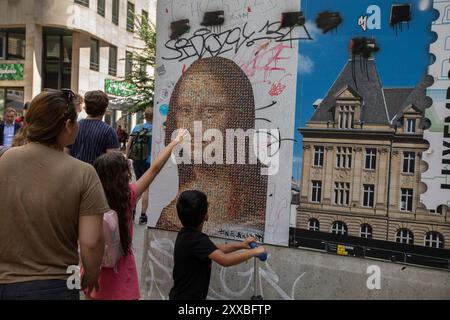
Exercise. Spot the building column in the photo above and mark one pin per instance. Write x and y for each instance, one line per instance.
(305, 174)
(394, 188)
(81, 67)
(33, 61)
(327, 184)
(382, 179)
(133, 121)
(357, 172)
(75, 73)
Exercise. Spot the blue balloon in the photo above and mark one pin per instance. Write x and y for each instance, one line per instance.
(164, 110)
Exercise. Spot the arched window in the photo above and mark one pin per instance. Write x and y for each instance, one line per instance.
(313, 224)
(404, 236)
(366, 231)
(339, 227)
(434, 239)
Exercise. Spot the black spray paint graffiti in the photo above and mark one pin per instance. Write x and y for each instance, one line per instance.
(400, 14)
(205, 43)
(178, 28)
(328, 21)
(364, 48)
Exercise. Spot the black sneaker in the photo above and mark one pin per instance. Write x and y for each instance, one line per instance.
(143, 219)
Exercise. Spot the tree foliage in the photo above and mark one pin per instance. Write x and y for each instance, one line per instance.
(141, 59)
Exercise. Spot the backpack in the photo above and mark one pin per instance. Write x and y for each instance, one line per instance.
(113, 247)
(3, 149)
(139, 149)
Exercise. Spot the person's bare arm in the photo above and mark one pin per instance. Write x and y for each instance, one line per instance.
(128, 147)
(231, 259)
(92, 245)
(144, 182)
(232, 247)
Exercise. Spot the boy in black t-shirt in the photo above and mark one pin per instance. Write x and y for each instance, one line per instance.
(194, 250)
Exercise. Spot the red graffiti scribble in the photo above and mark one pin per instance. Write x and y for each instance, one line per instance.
(277, 89)
(249, 9)
(184, 69)
(265, 59)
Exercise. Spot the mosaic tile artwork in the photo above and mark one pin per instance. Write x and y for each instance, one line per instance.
(217, 92)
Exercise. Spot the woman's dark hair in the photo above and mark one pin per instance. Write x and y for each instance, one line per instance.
(46, 117)
(114, 173)
(192, 206)
(96, 103)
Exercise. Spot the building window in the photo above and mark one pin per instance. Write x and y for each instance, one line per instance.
(434, 239)
(316, 191)
(142, 68)
(313, 224)
(115, 12)
(341, 193)
(406, 200)
(404, 236)
(411, 126)
(57, 61)
(112, 69)
(346, 117)
(339, 227)
(130, 17)
(128, 62)
(408, 162)
(366, 231)
(368, 195)
(344, 157)
(371, 159)
(144, 16)
(15, 44)
(2, 46)
(94, 65)
(318, 156)
(101, 7)
(83, 2)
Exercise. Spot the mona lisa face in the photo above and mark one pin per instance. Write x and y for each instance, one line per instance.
(202, 97)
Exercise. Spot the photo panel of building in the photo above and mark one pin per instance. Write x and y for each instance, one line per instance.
(361, 123)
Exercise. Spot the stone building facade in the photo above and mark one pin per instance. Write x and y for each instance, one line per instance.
(77, 44)
(362, 166)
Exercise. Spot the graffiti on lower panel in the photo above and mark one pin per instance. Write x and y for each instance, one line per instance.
(233, 284)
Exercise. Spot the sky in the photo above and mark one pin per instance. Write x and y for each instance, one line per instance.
(401, 62)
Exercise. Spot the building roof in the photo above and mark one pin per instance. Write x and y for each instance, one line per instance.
(417, 98)
(362, 77)
(379, 106)
(395, 97)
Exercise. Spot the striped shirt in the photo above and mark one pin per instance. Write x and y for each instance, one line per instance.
(94, 138)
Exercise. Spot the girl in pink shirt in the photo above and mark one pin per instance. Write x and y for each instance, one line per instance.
(121, 283)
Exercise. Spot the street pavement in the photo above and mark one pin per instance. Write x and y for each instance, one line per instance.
(138, 241)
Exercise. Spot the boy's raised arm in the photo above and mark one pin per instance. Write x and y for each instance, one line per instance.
(231, 247)
(231, 259)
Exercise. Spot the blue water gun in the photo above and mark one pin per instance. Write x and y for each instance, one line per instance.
(262, 256)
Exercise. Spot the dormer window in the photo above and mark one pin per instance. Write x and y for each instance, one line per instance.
(411, 126)
(346, 117)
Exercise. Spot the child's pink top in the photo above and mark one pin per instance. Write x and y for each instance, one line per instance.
(124, 284)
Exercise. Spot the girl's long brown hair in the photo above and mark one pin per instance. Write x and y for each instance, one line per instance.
(114, 173)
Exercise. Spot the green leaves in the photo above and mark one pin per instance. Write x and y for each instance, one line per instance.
(143, 82)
